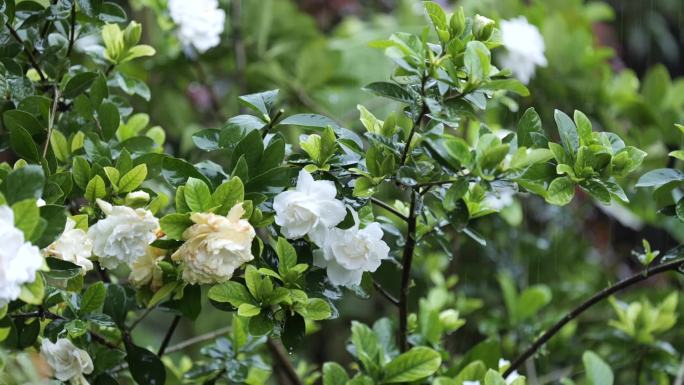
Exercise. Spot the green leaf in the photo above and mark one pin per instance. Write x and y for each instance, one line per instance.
(92, 299)
(317, 309)
(197, 195)
(231, 292)
(145, 366)
(531, 300)
(334, 374)
(560, 192)
(21, 119)
(227, 195)
(287, 256)
(530, 131)
(293, 331)
(207, 139)
(248, 310)
(115, 303)
(417, 363)
(23, 145)
(162, 293)
(23, 183)
(78, 84)
(660, 177)
(309, 120)
(109, 119)
(260, 102)
(391, 91)
(59, 145)
(133, 179)
(597, 371)
(173, 225)
(436, 15)
(583, 128)
(81, 171)
(567, 131)
(477, 61)
(33, 293)
(26, 216)
(95, 189)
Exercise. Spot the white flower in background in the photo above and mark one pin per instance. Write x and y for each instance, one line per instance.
(145, 269)
(471, 382)
(310, 209)
(123, 235)
(215, 246)
(73, 246)
(200, 23)
(19, 260)
(524, 48)
(498, 199)
(68, 361)
(40, 202)
(348, 253)
(511, 377)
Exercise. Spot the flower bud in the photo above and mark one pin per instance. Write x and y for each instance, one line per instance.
(132, 34)
(457, 22)
(482, 27)
(137, 198)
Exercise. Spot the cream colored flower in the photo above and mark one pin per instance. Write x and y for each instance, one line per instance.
(72, 246)
(19, 260)
(503, 365)
(123, 235)
(68, 361)
(310, 209)
(145, 269)
(215, 246)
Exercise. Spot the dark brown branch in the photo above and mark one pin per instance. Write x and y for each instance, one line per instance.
(385, 293)
(406, 261)
(31, 58)
(593, 300)
(279, 354)
(169, 334)
(389, 208)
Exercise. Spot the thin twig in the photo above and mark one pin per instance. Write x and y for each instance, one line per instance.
(280, 355)
(385, 293)
(406, 261)
(169, 334)
(139, 319)
(389, 208)
(72, 32)
(51, 121)
(31, 58)
(596, 298)
(195, 340)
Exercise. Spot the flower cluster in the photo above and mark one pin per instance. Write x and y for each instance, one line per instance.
(200, 23)
(312, 210)
(19, 259)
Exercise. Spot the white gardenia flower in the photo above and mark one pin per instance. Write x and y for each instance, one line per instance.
(123, 236)
(511, 377)
(215, 246)
(310, 209)
(200, 23)
(524, 48)
(499, 199)
(471, 382)
(348, 253)
(68, 361)
(19, 260)
(145, 269)
(72, 246)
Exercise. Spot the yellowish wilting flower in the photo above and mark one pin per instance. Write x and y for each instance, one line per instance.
(145, 269)
(215, 246)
